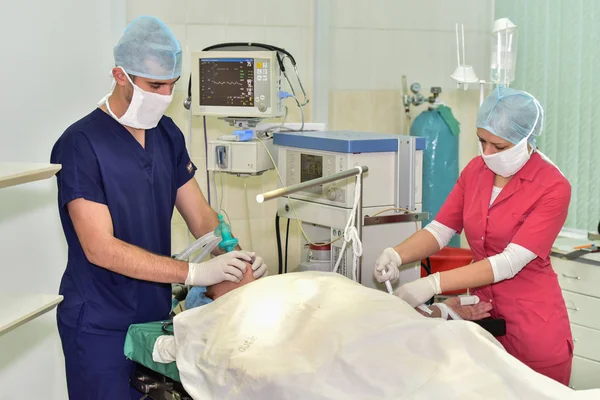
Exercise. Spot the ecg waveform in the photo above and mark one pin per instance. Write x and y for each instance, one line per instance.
(227, 83)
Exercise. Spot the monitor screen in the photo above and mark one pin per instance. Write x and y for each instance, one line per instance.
(227, 82)
(311, 167)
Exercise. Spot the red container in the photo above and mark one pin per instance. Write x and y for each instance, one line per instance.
(446, 259)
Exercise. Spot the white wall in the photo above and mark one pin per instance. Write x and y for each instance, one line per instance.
(374, 43)
(55, 60)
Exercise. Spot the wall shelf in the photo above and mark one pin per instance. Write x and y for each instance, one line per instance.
(12, 174)
(21, 308)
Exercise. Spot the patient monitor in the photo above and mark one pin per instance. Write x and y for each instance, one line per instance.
(243, 84)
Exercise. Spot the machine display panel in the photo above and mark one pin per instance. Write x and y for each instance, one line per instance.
(227, 82)
(311, 167)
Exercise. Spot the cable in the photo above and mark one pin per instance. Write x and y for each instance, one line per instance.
(351, 233)
(290, 200)
(189, 143)
(223, 211)
(214, 181)
(278, 234)
(248, 215)
(222, 195)
(301, 107)
(206, 155)
(282, 122)
(287, 236)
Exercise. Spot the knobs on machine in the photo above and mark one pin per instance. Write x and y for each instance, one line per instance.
(331, 193)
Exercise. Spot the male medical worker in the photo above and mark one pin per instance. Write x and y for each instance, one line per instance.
(512, 202)
(124, 169)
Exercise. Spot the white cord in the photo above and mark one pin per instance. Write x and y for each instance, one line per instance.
(351, 233)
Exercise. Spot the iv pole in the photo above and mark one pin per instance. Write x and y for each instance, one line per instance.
(356, 171)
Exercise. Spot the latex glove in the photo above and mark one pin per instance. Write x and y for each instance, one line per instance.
(259, 268)
(418, 292)
(226, 267)
(386, 266)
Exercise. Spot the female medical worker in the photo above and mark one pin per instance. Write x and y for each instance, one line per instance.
(124, 169)
(512, 202)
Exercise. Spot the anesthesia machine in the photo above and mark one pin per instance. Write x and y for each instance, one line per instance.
(242, 84)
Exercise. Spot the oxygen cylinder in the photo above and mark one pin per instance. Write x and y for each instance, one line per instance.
(440, 158)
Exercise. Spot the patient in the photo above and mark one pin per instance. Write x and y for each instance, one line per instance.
(471, 313)
(321, 336)
(220, 289)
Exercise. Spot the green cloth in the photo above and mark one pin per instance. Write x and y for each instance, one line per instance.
(139, 344)
(448, 117)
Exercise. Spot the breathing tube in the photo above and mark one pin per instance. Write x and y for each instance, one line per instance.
(223, 230)
(221, 237)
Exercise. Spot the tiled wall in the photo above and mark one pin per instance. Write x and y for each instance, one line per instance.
(372, 44)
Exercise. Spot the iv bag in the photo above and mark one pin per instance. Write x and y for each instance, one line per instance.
(504, 52)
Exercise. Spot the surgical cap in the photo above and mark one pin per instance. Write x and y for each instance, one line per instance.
(511, 114)
(149, 49)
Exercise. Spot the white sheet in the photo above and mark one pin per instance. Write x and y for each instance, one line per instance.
(316, 335)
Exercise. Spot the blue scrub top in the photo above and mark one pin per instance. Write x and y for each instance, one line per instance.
(102, 162)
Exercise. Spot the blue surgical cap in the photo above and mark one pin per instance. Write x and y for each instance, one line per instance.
(149, 49)
(511, 114)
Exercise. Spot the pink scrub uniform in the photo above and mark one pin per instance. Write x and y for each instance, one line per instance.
(530, 211)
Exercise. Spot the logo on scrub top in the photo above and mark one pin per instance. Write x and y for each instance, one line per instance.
(190, 167)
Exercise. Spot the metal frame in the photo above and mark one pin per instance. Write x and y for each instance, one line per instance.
(155, 386)
(390, 219)
(356, 171)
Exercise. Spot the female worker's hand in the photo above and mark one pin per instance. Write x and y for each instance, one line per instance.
(471, 313)
(420, 291)
(386, 266)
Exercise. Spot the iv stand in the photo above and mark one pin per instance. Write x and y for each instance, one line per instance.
(356, 171)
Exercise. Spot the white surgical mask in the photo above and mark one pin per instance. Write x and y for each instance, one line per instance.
(508, 162)
(145, 110)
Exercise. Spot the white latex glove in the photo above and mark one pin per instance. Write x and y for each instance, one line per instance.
(259, 268)
(418, 292)
(226, 267)
(386, 266)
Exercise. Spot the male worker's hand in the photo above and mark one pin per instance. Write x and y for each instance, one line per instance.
(419, 291)
(226, 267)
(386, 266)
(259, 268)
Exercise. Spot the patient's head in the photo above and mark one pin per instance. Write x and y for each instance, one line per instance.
(220, 289)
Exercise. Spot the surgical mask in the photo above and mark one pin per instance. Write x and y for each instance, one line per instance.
(508, 162)
(145, 109)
